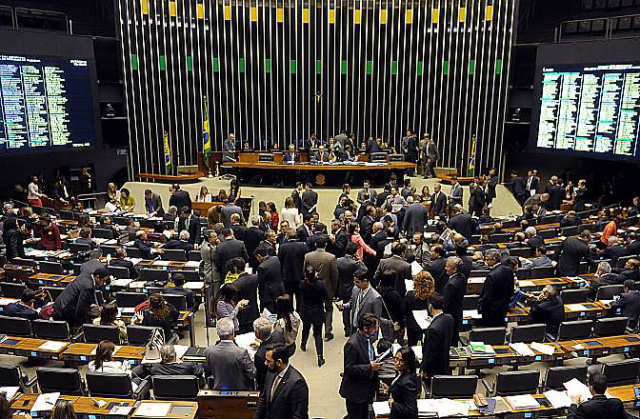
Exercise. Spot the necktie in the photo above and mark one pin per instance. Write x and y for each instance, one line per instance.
(150, 207)
(276, 383)
(359, 299)
(372, 353)
(186, 224)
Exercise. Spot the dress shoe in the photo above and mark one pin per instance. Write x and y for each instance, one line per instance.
(321, 361)
(328, 337)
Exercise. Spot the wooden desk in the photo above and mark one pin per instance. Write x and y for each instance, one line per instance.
(82, 352)
(203, 207)
(596, 347)
(505, 355)
(54, 280)
(533, 285)
(168, 264)
(537, 227)
(82, 405)
(301, 167)
(213, 404)
(171, 415)
(21, 272)
(29, 347)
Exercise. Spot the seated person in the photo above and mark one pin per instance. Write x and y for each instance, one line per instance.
(246, 148)
(120, 261)
(231, 366)
(321, 156)
(159, 313)
(600, 406)
(85, 237)
(291, 156)
(541, 260)
(169, 365)
(104, 362)
(147, 248)
(571, 219)
(631, 270)
(547, 308)
(109, 317)
(177, 288)
(604, 276)
(25, 308)
(629, 303)
(182, 243)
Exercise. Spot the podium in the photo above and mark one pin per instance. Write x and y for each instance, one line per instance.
(216, 404)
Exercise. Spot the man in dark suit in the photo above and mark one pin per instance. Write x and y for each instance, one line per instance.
(454, 291)
(437, 267)
(600, 406)
(360, 377)
(178, 289)
(574, 250)
(169, 365)
(556, 194)
(231, 366)
(633, 245)
(321, 156)
(74, 303)
(191, 223)
(613, 250)
(229, 249)
(409, 145)
(462, 222)
(630, 270)
(366, 190)
(532, 185)
(120, 261)
(291, 254)
(182, 243)
(348, 266)
(285, 394)
(24, 308)
(291, 156)
(548, 309)
(396, 267)
(146, 248)
(340, 238)
(179, 198)
(629, 303)
(467, 260)
(518, 187)
(431, 155)
(252, 237)
(496, 292)
(438, 201)
(296, 194)
(153, 203)
(325, 265)
(415, 217)
(306, 229)
(270, 285)
(309, 200)
(247, 286)
(437, 338)
(263, 329)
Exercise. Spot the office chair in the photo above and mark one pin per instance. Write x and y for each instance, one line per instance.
(489, 335)
(54, 292)
(115, 385)
(178, 301)
(102, 233)
(51, 268)
(175, 387)
(194, 255)
(78, 247)
(119, 271)
(108, 249)
(189, 276)
(150, 274)
(130, 299)
(621, 372)
(15, 326)
(500, 238)
(557, 376)
(67, 381)
(97, 333)
(575, 296)
(543, 272)
(12, 376)
(549, 233)
(524, 252)
(453, 386)
(579, 329)
(174, 254)
(528, 333)
(12, 289)
(51, 329)
(610, 326)
(470, 302)
(140, 335)
(607, 292)
(513, 382)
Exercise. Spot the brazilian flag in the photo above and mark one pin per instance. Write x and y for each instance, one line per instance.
(206, 136)
(168, 159)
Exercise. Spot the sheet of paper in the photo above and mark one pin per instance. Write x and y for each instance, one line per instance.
(448, 407)
(52, 346)
(245, 341)
(156, 410)
(523, 284)
(477, 280)
(427, 406)
(422, 318)
(381, 409)
(576, 388)
(9, 391)
(7, 301)
(45, 402)
(576, 307)
(192, 264)
(473, 314)
(522, 349)
(408, 284)
(417, 350)
(195, 285)
(121, 282)
(545, 349)
(180, 350)
(416, 268)
(525, 401)
(558, 399)
(163, 263)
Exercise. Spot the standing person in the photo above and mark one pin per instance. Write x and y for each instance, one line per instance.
(456, 194)
(191, 223)
(153, 203)
(405, 387)
(230, 248)
(364, 300)
(354, 233)
(210, 272)
(291, 254)
(415, 217)
(326, 268)
(263, 329)
(34, 195)
(269, 279)
(286, 393)
(518, 188)
(497, 291)
(572, 251)
(228, 305)
(417, 299)
(247, 287)
(296, 195)
(347, 268)
(454, 291)
(179, 198)
(360, 377)
(314, 294)
(432, 155)
(395, 267)
(109, 317)
(410, 150)
(231, 366)
(437, 338)
(288, 322)
(438, 202)
(74, 303)
(290, 213)
(491, 184)
(12, 238)
(366, 190)
(477, 198)
(309, 200)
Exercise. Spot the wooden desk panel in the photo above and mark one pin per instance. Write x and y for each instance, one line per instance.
(319, 167)
(31, 348)
(81, 404)
(595, 347)
(213, 404)
(81, 352)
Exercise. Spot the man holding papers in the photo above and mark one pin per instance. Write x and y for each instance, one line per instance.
(454, 291)
(435, 348)
(599, 407)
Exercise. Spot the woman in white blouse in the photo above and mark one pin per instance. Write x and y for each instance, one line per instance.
(104, 362)
(204, 195)
(290, 214)
(34, 195)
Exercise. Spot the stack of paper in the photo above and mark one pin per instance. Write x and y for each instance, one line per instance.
(576, 307)
(248, 342)
(408, 284)
(10, 392)
(417, 350)
(52, 346)
(180, 350)
(523, 284)
(192, 264)
(522, 349)
(154, 410)
(381, 409)
(479, 348)
(442, 408)
(194, 285)
(576, 388)
(522, 402)
(422, 318)
(545, 349)
(471, 314)
(558, 399)
(45, 402)
(121, 282)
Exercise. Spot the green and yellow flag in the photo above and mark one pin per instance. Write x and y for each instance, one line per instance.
(206, 136)
(168, 159)
(471, 167)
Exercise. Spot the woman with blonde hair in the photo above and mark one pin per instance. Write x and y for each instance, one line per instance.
(63, 410)
(104, 362)
(204, 195)
(417, 299)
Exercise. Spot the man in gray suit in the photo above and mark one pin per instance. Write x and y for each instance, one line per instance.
(366, 189)
(415, 217)
(395, 267)
(432, 156)
(153, 203)
(364, 299)
(228, 210)
(230, 365)
(326, 267)
(456, 195)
